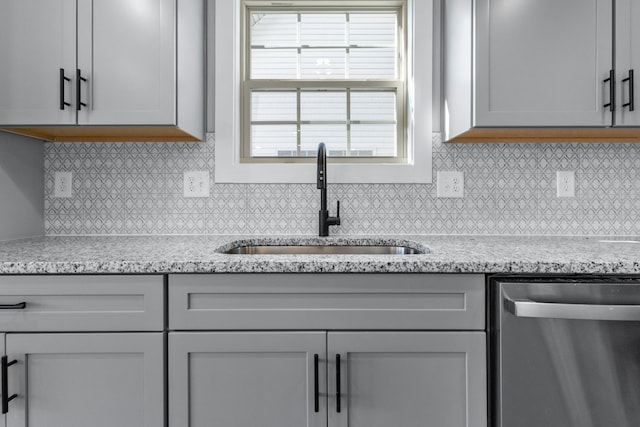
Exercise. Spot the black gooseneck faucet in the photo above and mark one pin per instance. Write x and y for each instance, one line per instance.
(325, 219)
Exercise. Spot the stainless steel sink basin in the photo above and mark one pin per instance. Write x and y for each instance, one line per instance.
(323, 250)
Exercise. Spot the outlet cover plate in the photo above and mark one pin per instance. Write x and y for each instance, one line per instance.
(450, 184)
(196, 184)
(63, 184)
(566, 183)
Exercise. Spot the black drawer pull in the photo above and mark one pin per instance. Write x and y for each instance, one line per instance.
(316, 390)
(63, 79)
(612, 91)
(17, 306)
(79, 80)
(338, 393)
(4, 366)
(630, 80)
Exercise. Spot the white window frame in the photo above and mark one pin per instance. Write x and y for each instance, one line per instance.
(394, 84)
(228, 165)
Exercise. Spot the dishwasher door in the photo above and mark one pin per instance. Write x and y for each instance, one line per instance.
(566, 353)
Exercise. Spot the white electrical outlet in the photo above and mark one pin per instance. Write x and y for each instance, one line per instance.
(196, 184)
(566, 183)
(450, 184)
(63, 184)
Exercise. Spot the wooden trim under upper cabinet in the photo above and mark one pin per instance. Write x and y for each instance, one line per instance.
(105, 133)
(549, 135)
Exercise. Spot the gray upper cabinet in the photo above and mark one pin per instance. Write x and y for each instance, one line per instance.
(627, 63)
(37, 40)
(539, 65)
(126, 53)
(538, 62)
(110, 67)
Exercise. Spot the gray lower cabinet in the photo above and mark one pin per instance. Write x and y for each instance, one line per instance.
(399, 356)
(246, 379)
(2, 417)
(364, 379)
(407, 379)
(80, 380)
(88, 350)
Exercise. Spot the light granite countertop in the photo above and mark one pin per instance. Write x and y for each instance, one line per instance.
(203, 254)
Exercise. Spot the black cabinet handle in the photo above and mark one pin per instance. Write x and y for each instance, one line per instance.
(79, 80)
(18, 306)
(316, 390)
(612, 91)
(63, 79)
(338, 393)
(4, 366)
(630, 80)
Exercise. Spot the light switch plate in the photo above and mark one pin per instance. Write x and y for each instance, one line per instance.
(196, 184)
(566, 183)
(63, 184)
(450, 184)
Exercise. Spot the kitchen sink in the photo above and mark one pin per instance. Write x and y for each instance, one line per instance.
(315, 249)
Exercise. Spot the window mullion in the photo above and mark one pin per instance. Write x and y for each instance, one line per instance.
(298, 124)
(299, 42)
(348, 121)
(347, 52)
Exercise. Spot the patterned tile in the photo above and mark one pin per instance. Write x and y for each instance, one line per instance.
(136, 188)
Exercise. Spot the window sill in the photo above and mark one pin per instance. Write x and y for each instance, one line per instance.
(345, 173)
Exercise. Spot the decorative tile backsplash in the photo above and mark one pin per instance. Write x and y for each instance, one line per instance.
(136, 188)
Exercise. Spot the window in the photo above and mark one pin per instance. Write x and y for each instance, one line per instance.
(316, 73)
(287, 95)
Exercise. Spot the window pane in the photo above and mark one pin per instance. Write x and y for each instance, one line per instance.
(374, 29)
(290, 120)
(270, 140)
(372, 63)
(377, 139)
(334, 137)
(318, 106)
(274, 29)
(322, 63)
(274, 63)
(373, 106)
(323, 29)
(273, 106)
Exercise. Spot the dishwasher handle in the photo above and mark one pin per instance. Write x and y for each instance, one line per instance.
(524, 307)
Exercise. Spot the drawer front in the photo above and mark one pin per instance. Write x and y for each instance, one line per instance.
(327, 301)
(81, 303)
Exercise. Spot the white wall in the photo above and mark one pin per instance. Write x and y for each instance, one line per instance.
(21, 187)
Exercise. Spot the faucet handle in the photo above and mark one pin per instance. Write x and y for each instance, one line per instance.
(336, 219)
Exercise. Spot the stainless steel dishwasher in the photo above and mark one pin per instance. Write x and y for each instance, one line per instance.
(565, 351)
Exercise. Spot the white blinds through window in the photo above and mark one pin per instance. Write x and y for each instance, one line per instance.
(321, 74)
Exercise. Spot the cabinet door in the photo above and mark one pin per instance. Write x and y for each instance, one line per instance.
(126, 53)
(407, 379)
(543, 62)
(247, 379)
(80, 380)
(2, 416)
(37, 39)
(627, 59)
